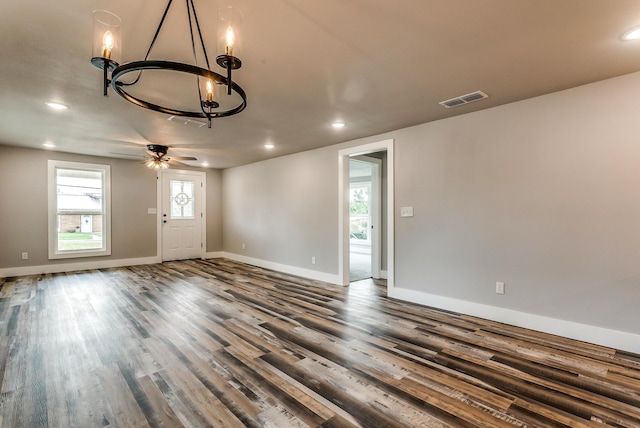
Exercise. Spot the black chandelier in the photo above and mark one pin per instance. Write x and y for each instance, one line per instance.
(106, 51)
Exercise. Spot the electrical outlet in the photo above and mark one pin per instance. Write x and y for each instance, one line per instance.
(313, 260)
(243, 246)
(499, 287)
(25, 256)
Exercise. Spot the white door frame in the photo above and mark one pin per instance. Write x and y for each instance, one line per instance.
(343, 207)
(159, 209)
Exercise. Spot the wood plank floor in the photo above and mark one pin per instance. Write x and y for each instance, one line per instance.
(219, 343)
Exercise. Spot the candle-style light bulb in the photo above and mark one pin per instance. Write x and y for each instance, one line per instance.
(107, 44)
(209, 90)
(231, 40)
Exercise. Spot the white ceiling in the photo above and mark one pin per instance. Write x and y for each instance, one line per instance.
(376, 65)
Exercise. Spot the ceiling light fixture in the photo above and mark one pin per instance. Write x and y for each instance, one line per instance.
(159, 158)
(633, 34)
(156, 163)
(56, 106)
(107, 47)
(337, 125)
(269, 146)
(48, 145)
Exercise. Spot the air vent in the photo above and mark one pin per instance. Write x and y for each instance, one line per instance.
(186, 121)
(464, 99)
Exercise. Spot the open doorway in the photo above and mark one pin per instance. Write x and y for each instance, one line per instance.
(357, 230)
(365, 216)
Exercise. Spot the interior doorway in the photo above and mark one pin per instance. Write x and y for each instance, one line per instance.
(365, 216)
(382, 264)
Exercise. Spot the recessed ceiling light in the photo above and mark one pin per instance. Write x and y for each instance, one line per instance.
(49, 145)
(337, 125)
(205, 164)
(633, 34)
(269, 146)
(56, 106)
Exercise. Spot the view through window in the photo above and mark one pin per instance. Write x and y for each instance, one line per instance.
(78, 210)
(359, 216)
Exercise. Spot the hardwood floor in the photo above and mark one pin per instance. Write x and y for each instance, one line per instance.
(219, 343)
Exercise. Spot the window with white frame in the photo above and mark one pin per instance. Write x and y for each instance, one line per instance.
(79, 209)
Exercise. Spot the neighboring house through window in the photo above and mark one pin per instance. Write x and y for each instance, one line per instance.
(79, 210)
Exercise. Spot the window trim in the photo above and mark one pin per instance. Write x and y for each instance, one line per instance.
(54, 253)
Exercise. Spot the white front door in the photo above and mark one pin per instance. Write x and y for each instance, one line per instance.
(182, 215)
(86, 224)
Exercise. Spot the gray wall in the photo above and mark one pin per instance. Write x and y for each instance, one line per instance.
(284, 210)
(23, 207)
(214, 209)
(540, 194)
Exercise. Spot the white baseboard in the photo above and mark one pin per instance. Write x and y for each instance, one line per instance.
(75, 266)
(214, 255)
(291, 270)
(587, 333)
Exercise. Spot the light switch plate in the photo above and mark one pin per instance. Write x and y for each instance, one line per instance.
(152, 211)
(406, 211)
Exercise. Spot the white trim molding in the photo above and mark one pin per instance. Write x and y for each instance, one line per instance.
(583, 332)
(53, 182)
(291, 270)
(343, 206)
(76, 266)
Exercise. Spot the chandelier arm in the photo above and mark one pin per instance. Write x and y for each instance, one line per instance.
(153, 42)
(206, 108)
(193, 42)
(204, 49)
(134, 66)
(190, 6)
(155, 36)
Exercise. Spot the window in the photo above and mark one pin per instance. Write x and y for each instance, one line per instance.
(79, 210)
(182, 200)
(359, 212)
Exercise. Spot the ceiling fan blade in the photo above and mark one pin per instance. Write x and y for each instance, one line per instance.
(127, 155)
(187, 158)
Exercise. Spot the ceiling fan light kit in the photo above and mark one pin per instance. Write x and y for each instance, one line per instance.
(107, 45)
(160, 160)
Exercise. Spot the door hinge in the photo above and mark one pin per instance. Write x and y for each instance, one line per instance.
(201, 245)
(201, 215)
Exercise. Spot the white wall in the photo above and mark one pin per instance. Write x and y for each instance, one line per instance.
(541, 194)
